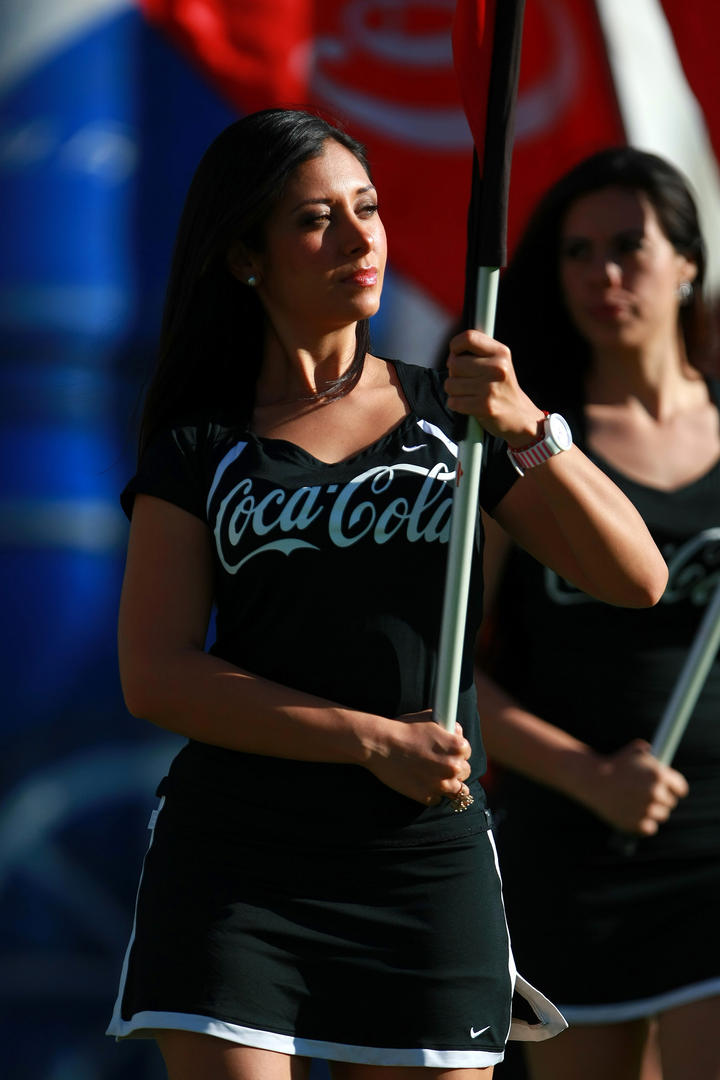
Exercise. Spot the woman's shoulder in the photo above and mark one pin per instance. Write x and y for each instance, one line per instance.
(713, 384)
(422, 386)
(417, 372)
(181, 457)
(196, 434)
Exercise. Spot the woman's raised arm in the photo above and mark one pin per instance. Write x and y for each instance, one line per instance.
(566, 512)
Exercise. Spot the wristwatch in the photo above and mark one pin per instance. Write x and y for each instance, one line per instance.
(556, 437)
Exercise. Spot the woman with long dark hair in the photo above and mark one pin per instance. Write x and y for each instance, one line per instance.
(603, 308)
(321, 880)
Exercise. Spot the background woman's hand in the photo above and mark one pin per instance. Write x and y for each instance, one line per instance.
(421, 760)
(633, 791)
(482, 383)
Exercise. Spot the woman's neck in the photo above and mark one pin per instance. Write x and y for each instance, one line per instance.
(294, 370)
(653, 421)
(659, 380)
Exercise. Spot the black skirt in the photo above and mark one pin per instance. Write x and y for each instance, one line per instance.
(375, 953)
(615, 937)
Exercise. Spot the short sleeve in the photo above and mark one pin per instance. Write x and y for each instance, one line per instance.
(424, 389)
(170, 469)
(497, 475)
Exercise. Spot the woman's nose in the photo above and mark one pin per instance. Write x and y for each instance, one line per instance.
(613, 269)
(607, 269)
(359, 238)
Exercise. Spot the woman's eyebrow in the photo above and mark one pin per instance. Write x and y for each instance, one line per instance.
(327, 199)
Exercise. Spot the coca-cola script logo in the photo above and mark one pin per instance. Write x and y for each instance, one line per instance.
(693, 573)
(376, 505)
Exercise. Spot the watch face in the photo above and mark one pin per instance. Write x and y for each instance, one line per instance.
(560, 431)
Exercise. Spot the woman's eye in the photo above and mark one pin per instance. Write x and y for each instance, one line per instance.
(624, 245)
(368, 209)
(312, 220)
(575, 249)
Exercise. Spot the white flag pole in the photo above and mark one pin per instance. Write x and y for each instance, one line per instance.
(463, 528)
(682, 701)
(690, 682)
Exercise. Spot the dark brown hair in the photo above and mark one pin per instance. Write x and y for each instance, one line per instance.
(212, 331)
(550, 354)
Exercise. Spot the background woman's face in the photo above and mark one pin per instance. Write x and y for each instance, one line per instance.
(618, 271)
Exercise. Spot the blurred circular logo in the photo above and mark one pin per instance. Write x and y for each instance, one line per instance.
(387, 66)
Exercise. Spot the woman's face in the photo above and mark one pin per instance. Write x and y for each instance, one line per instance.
(618, 270)
(323, 260)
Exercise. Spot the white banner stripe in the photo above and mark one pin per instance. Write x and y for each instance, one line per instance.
(32, 30)
(659, 110)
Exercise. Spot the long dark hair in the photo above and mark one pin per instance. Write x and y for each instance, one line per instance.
(551, 356)
(212, 331)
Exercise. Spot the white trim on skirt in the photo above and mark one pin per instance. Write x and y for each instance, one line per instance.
(145, 1025)
(550, 1020)
(117, 1010)
(618, 1012)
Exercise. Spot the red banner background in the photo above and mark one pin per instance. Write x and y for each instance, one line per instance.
(384, 68)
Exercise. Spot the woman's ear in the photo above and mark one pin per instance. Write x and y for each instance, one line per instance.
(242, 265)
(688, 269)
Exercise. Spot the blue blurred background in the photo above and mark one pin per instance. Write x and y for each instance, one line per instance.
(101, 126)
(93, 170)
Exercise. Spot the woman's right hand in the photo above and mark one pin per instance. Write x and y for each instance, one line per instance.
(629, 789)
(632, 790)
(420, 759)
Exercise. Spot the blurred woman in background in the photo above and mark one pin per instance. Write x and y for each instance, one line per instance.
(603, 309)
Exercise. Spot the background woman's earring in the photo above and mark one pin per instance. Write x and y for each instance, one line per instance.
(684, 292)
(252, 281)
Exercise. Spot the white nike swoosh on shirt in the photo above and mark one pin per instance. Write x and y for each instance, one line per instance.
(474, 1034)
(409, 449)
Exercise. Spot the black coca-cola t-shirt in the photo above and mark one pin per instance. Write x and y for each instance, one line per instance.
(606, 674)
(330, 579)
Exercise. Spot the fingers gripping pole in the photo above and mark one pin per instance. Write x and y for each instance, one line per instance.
(462, 532)
(692, 678)
(681, 702)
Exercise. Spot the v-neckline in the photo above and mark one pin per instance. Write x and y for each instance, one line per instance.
(269, 441)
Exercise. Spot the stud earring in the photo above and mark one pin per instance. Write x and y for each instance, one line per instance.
(684, 292)
(252, 281)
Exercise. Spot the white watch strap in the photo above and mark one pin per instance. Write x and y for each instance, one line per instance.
(527, 457)
(532, 456)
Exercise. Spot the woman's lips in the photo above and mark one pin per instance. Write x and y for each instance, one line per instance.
(366, 276)
(606, 312)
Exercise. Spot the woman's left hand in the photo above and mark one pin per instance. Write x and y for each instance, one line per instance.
(482, 383)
